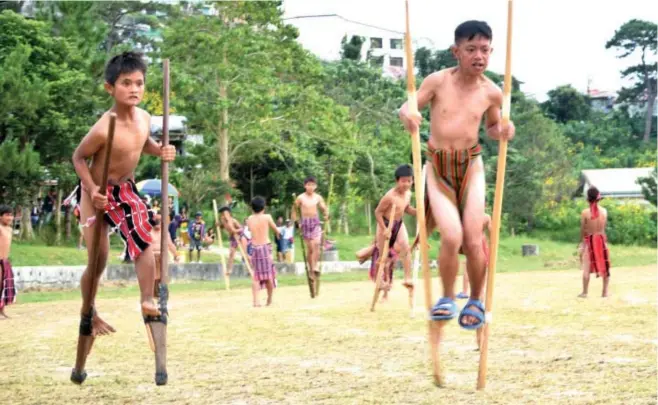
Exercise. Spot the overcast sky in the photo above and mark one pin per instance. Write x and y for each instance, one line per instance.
(555, 42)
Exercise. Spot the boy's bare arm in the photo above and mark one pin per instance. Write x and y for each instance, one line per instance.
(323, 207)
(272, 225)
(295, 207)
(493, 119)
(425, 92)
(583, 221)
(380, 211)
(88, 147)
(410, 210)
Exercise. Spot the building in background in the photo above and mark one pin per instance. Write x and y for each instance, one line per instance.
(382, 47)
(615, 183)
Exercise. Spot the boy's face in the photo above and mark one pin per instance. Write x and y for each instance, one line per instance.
(198, 218)
(404, 183)
(128, 89)
(310, 186)
(473, 55)
(7, 219)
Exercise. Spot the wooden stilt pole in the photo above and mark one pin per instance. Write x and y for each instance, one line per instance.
(497, 208)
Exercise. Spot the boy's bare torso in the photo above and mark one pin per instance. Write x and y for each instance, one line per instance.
(594, 226)
(457, 108)
(5, 241)
(401, 202)
(129, 140)
(309, 204)
(259, 225)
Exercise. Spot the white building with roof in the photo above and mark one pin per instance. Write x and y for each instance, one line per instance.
(615, 183)
(322, 35)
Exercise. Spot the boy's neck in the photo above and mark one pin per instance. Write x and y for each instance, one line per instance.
(309, 193)
(464, 78)
(124, 112)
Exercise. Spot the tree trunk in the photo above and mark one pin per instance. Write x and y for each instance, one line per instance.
(26, 233)
(222, 140)
(343, 204)
(251, 183)
(372, 174)
(648, 121)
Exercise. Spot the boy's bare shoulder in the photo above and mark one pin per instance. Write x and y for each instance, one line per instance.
(493, 90)
(436, 78)
(100, 127)
(143, 113)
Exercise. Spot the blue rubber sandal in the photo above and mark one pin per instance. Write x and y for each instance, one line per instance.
(462, 296)
(444, 304)
(466, 311)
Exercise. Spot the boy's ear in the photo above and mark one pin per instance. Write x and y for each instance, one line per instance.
(109, 88)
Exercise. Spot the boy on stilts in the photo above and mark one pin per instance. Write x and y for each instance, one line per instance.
(123, 209)
(311, 229)
(400, 196)
(458, 98)
(236, 235)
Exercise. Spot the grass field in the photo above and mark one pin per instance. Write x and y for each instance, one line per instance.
(547, 346)
(553, 255)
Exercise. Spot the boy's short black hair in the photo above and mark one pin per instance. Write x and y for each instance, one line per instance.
(5, 209)
(225, 208)
(258, 204)
(310, 179)
(403, 171)
(126, 62)
(472, 28)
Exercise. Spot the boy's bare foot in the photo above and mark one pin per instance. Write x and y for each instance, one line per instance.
(2, 312)
(257, 305)
(582, 295)
(99, 327)
(149, 308)
(605, 295)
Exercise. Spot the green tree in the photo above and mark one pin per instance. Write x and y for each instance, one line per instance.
(566, 104)
(649, 187)
(20, 177)
(351, 49)
(632, 37)
(44, 99)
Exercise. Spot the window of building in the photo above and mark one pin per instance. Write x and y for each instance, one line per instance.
(396, 61)
(396, 43)
(377, 61)
(376, 43)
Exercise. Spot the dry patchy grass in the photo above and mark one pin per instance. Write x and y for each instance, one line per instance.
(547, 347)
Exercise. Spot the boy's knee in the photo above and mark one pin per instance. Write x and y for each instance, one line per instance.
(472, 246)
(451, 243)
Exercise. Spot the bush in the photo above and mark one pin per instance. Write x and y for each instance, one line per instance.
(629, 222)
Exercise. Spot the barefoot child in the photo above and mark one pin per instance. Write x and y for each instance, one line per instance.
(7, 289)
(311, 229)
(124, 210)
(400, 195)
(261, 257)
(595, 257)
(196, 231)
(236, 235)
(458, 98)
